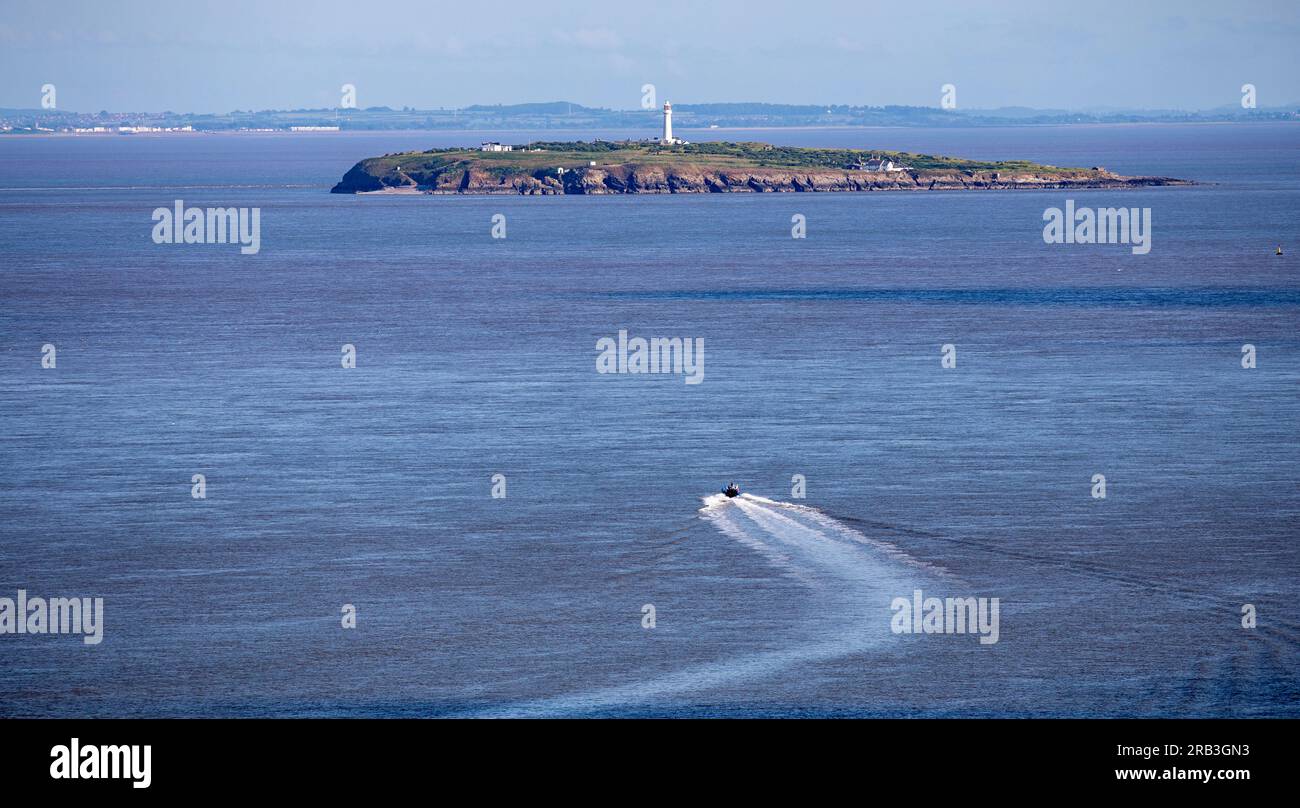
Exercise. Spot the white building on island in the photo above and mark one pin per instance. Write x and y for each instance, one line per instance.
(878, 164)
(492, 145)
(668, 139)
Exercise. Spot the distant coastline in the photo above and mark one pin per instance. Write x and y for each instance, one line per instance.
(563, 116)
(586, 131)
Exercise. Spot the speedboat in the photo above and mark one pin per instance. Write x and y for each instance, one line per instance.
(732, 490)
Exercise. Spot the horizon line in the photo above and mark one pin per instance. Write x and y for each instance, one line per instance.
(1221, 109)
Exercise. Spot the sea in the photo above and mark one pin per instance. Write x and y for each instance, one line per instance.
(921, 395)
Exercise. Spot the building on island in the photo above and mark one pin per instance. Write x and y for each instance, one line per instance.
(876, 164)
(492, 145)
(668, 139)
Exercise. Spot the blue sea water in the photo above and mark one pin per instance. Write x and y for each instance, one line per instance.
(476, 356)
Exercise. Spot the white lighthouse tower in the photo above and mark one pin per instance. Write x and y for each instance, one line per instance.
(668, 138)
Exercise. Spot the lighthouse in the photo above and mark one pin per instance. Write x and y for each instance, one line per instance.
(667, 138)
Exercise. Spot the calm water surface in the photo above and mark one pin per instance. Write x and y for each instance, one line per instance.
(476, 357)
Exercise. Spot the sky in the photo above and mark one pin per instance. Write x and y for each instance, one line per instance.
(202, 56)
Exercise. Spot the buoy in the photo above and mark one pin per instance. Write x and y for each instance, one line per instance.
(1279, 250)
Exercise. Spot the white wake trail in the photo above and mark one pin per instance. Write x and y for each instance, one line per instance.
(818, 534)
(852, 578)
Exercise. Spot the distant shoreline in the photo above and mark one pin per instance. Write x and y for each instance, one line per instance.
(697, 133)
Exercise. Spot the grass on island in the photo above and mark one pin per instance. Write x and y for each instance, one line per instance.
(541, 156)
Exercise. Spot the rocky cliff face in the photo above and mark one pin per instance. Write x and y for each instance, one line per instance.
(690, 179)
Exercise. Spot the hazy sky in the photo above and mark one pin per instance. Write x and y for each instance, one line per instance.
(259, 54)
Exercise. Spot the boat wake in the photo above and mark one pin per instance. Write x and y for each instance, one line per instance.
(808, 545)
(851, 577)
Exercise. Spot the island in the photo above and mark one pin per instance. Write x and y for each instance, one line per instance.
(653, 167)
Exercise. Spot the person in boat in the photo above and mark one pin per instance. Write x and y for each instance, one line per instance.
(731, 490)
